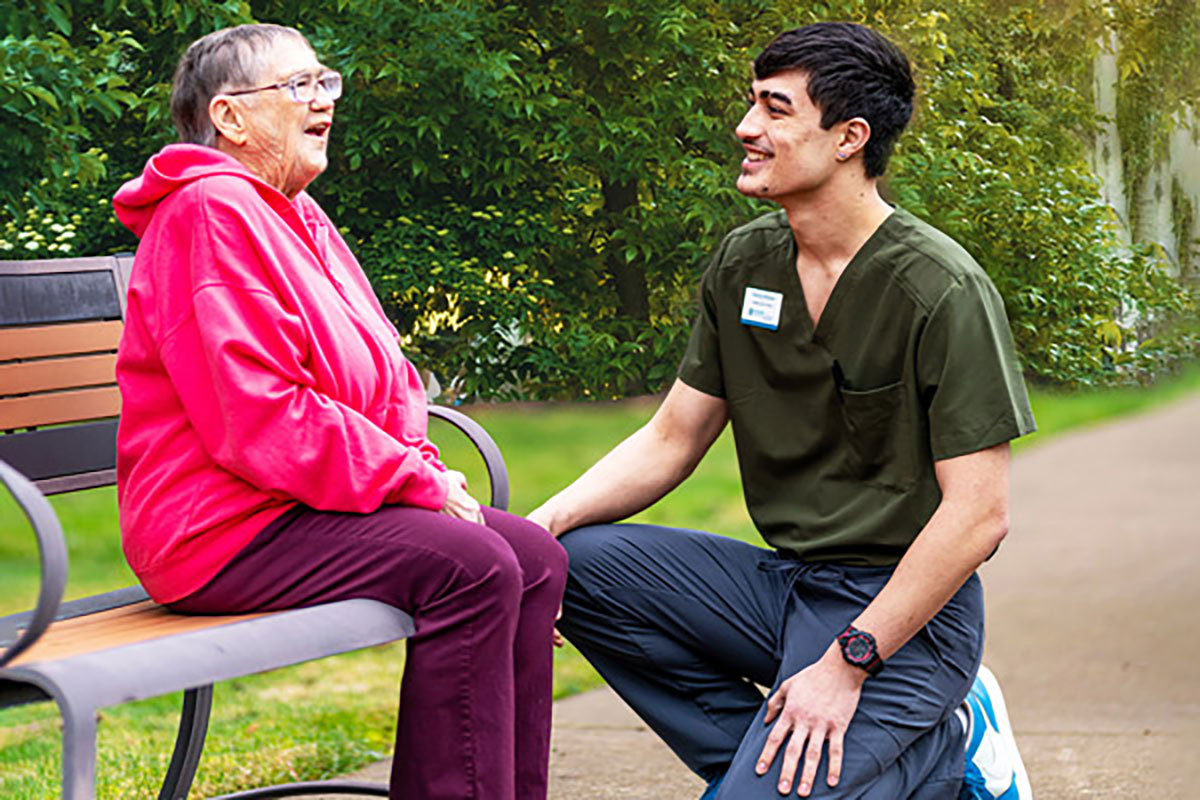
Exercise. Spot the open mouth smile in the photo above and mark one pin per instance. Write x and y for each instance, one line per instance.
(755, 157)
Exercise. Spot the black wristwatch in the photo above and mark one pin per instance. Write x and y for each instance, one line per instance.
(858, 648)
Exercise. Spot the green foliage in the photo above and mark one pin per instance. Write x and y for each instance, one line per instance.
(615, 118)
(1183, 219)
(996, 160)
(453, 275)
(605, 130)
(1158, 58)
(83, 96)
(456, 275)
(53, 96)
(36, 235)
(78, 222)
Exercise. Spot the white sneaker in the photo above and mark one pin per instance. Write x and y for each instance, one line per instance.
(994, 769)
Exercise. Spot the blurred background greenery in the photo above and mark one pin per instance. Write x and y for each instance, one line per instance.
(534, 186)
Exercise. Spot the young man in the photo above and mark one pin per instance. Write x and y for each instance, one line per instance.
(865, 362)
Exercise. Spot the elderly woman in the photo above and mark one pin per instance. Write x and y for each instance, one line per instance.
(272, 446)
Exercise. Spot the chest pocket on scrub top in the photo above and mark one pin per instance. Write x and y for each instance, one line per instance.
(878, 432)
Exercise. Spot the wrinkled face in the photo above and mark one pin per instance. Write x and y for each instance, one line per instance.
(286, 140)
(787, 152)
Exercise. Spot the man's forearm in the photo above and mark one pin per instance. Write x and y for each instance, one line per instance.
(937, 564)
(631, 477)
(643, 468)
(967, 527)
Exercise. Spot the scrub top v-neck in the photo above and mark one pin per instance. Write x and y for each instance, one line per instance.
(837, 428)
(841, 288)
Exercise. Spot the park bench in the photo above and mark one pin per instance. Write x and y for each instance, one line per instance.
(60, 321)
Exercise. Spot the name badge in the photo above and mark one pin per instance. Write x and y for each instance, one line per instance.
(761, 308)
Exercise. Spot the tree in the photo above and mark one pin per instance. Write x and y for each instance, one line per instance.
(534, 187)
(56, 87)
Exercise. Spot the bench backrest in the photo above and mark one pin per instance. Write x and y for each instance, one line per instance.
(60, 322)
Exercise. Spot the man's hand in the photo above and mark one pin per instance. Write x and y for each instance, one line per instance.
(813, 706)
(542, 516)
(459, 504)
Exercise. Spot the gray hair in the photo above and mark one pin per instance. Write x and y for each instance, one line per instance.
(222, 60)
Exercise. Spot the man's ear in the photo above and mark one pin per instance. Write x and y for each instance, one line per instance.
(856, 133)
(229, 118)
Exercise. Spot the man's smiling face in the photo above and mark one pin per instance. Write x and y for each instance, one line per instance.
(788, 153)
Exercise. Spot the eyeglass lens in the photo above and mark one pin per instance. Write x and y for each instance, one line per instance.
(303, 88)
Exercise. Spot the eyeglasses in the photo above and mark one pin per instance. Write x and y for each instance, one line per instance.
(303, 88)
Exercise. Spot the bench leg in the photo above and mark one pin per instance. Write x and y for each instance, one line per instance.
(78, 752)
(189, 743)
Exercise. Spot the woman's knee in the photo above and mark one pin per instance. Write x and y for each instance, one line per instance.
(554, 561)
(541, 556)
(479, 562)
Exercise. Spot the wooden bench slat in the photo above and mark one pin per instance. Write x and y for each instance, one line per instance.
(116, 628)
(52, 409)
(53, 374)
(58, 340)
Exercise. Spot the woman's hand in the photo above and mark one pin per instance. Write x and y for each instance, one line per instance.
(459, 503)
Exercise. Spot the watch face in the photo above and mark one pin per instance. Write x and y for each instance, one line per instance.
(858, 649)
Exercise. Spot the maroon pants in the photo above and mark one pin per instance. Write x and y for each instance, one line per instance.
(476, 696)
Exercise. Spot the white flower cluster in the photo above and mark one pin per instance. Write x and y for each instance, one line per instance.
(39, 234)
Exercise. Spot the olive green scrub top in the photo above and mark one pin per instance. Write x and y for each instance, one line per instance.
(837, 430)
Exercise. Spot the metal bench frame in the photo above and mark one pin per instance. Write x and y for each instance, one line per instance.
(191, 661)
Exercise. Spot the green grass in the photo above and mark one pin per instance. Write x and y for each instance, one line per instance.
(1058, 412)
(324, 718)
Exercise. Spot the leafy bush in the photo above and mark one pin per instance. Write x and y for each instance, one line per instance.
(996, 159)
(476, 306)
(461, 285)
(535, 187)
(78, 222)
(55, 94)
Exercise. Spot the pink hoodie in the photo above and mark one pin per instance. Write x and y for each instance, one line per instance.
(257, 371)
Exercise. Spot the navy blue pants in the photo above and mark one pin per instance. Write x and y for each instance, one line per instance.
(686, 625)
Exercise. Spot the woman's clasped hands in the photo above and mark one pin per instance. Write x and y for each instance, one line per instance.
(459, 503)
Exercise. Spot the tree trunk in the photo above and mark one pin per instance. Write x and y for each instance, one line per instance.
(630, 279)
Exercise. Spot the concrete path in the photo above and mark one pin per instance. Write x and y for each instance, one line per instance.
(1094, 609)
(1094, 629)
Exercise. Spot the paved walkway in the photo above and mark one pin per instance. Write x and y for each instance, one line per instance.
(1094, 629)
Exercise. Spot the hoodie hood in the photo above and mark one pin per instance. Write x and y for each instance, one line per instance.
(174, 166)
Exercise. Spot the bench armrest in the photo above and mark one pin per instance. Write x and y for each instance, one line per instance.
(52, 549)
(496, 469)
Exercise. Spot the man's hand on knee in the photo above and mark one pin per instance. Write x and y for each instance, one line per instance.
(808, 709)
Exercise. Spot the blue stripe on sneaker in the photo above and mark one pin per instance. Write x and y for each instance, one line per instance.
(714, 786)
(979, 691)
(977, 730)
(993, 767)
